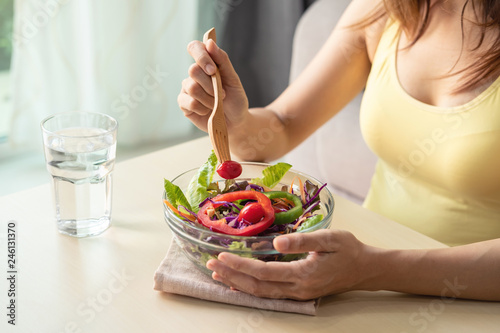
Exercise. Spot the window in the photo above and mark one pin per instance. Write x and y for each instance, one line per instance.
(6, 23)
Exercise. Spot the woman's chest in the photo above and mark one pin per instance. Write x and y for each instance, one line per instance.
(459, 151)
(435, 68)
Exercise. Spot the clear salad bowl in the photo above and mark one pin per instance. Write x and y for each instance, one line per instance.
(199, 244)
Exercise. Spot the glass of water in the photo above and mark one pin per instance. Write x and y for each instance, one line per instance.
(80, 150)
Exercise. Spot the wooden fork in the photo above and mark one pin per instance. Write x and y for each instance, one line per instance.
(217, 128)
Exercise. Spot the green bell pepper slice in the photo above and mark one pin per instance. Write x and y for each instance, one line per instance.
(290, 215)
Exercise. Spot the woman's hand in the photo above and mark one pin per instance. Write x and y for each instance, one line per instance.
(337, 262)
(196, 98)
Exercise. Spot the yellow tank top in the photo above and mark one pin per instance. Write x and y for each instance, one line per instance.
(439, 168)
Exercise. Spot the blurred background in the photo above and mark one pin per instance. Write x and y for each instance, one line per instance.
(126, 58)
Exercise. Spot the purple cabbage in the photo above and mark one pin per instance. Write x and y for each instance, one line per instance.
(254, 187)
(310, 208)
(314, 198)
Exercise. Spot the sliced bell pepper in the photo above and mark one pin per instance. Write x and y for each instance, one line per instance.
(290, 215)
(221, 224)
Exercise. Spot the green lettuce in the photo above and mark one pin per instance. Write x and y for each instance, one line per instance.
(206, 257)
(272, 174)
(175, 195)
(241, 248)
(310, 222)
(198, 187)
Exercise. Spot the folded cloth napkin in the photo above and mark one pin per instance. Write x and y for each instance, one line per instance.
(178, 275)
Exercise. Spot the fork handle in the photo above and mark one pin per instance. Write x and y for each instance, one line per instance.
(217, 128)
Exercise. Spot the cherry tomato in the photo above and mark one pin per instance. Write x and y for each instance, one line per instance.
(229, 169)
(252, 212)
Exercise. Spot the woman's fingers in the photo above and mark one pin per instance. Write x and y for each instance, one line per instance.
(318, 241)
(199, 77)
(334, 264)
(229, 76)
(199, 53)
(248, 283)
(252, 286)
(208, 56)
(196, 91)
(196, 98)
(265, 271)
(190, 105)
(268, 279)
(198, 85)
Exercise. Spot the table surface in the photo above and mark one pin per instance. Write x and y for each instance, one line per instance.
(105, 283)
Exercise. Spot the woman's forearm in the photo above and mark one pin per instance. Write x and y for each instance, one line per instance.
(469, 271)
(261, 136)
(331, 80)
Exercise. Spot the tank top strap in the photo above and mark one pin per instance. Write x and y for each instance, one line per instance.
(386, 48)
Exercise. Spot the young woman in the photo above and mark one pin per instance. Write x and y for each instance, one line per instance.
(431, 112)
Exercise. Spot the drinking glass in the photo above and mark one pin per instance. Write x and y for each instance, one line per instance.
(80, 150)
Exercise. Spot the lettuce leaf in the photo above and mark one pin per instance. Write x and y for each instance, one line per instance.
(206, 257)
(242, 249)
(272, 174)
(175, 195)
(198, 187)
(310, 222)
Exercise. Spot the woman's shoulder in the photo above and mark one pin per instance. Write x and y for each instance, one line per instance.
(369, 18)
(373, 34)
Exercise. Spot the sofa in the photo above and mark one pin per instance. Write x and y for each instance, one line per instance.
(336, 153)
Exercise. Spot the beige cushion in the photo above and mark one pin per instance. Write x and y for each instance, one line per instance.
(336, 153)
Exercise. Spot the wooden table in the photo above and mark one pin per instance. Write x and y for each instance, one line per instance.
(105, 283)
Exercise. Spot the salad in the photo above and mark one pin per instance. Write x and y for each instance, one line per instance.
(246, 207)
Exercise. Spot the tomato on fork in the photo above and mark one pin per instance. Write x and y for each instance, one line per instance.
(229, 169)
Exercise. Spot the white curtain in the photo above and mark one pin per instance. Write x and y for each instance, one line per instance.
(126, 58)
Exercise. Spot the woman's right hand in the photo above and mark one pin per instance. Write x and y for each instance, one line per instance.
(196, 98)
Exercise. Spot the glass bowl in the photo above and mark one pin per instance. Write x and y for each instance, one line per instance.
(199, 244)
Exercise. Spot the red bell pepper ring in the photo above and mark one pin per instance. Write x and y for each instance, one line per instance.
(222, 226)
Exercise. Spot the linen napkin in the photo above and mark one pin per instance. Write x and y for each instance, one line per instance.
(178, 275)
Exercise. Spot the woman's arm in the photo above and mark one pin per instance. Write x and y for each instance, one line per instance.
(468, 271)
(335, 76)
(338, 262)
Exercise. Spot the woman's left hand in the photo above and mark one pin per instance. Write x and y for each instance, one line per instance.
(337, 262)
